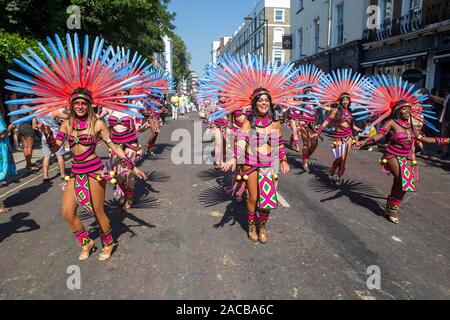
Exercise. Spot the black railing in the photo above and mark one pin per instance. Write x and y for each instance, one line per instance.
(414, 20)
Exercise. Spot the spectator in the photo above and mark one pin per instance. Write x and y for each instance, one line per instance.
(11, 108)
(174, 105)
(444, 118)
(7, 165)
(52, 121)
(28, 137)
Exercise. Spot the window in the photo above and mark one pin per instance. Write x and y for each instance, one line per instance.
(300, 43)
(340, 24)
(279, 15)
(316, 34)
(387, 9)
(278, 58)
(409, 6)
(278, 35)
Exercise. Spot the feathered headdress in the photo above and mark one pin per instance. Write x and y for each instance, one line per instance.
(236, 79)
(52, 83)
(340, 83)
(386, 92)
(158, 83)
(309, 74)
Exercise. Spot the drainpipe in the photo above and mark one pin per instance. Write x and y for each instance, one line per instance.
(329, 35)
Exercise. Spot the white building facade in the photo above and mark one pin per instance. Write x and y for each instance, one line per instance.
(261, 32)
(328, 33)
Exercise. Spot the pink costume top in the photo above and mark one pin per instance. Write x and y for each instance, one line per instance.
(79, 163)
(308, 117)
(236, 114)
(258, 139)
(346, 116)
(295, 114)
(400, 143)
(127, 136)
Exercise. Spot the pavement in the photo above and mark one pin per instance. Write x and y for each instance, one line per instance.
(186, 239)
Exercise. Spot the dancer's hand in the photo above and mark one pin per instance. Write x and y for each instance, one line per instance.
(284, 166)
(230, 165)
(140, 174)
(44, 129)
(360, 144)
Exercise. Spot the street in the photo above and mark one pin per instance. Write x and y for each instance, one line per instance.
(185, 239)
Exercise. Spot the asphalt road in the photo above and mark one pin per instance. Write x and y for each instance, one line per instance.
(185, 239)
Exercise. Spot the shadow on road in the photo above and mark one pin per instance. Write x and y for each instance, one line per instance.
(358, 193)
(18, 224)
(234, 212)
(117, 216)
(210, 174)
(27, 195)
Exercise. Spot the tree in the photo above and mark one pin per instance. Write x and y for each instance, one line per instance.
(135, 24)
(181, 59)
(32, 18)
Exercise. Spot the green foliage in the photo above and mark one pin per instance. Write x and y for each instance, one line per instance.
(181, 59)
(12, 45)
(135, 24)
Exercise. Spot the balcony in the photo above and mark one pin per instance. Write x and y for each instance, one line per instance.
(416, 19)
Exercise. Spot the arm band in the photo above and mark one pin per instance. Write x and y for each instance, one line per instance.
(383, 131)
(282, 154)
(442, 141)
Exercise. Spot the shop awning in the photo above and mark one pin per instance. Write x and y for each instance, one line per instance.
(409, 57)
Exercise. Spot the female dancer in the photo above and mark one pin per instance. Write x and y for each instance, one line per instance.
(238, 119)
(124, 134)
(390, 98)
(293, 119)
(341, 87)
(83, 82)
(259, 148)
(307, 120)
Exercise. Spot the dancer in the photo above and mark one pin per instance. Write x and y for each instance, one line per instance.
(259, 148)
(342, 88)
(72, 77)
(220, 130)
(238, 119)
(397, 102)
(307, 120)
(293, 120)
(123, 130)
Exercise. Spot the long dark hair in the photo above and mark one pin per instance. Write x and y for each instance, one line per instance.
(340, 106)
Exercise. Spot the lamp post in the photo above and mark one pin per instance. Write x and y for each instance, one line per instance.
(266, 31)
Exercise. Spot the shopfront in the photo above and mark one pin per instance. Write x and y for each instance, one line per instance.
(441, 62)
(399, 58)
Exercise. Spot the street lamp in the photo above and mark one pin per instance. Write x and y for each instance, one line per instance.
(266, 31)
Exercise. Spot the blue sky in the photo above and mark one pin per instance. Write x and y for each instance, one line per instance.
(199, 22)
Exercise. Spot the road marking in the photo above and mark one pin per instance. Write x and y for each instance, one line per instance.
(396, 239)
(282, 201)
(55, 167)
